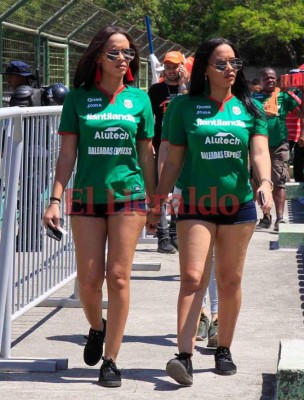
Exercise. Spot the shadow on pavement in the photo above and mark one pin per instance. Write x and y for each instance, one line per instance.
(268, 386)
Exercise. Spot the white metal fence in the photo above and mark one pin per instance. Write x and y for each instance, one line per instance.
(32, 266)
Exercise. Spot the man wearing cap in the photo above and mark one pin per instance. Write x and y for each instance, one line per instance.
(175, 82)
(18, 78)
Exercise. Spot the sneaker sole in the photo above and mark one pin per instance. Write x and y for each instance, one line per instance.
(177, 372)
(219, 372)
(109, 384)
(166, 252)
(201, 338)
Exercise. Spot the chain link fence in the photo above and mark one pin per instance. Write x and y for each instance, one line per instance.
(51, 35)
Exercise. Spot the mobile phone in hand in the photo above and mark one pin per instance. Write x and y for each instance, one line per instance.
(55, 233)
(262, 198)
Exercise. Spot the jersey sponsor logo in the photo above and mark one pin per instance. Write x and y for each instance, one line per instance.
(222, 138)
(110, 116)
(128, 103)
(109, 151)
(94, 102)
(200, 107)
(216, 155)
(137, 188)
(236, 110)
(203, 112)
(220, 122)
(94, 99)
(112, 134)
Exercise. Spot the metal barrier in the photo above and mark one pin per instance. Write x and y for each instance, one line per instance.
(32, 266)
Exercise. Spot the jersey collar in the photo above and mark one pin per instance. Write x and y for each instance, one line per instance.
(110, 96)
(221, 104)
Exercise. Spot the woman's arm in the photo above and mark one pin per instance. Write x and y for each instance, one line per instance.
(147, 163)
(170, 171)
(261, 163)
(64, 167)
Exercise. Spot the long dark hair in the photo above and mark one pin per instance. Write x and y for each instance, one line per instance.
(86, 67)
(199, 84)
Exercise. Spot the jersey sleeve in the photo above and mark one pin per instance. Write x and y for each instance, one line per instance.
(69, 121)
(176, 127)
(260, 123)
(146, 125)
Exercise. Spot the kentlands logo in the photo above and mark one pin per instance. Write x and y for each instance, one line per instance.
(109, 116)
(222, 138)
(219, 122)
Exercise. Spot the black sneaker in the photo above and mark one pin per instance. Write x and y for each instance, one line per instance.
(164, 246)
(277, 223)
(180, 369)
(109, 375)
(223, 361)
(93, 349)
(265, 222)
(212, 335)
(174, 242)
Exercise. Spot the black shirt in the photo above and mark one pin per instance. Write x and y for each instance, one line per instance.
(160, 95)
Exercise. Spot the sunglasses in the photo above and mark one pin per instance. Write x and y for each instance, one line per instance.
(113, 55)
(221, 65)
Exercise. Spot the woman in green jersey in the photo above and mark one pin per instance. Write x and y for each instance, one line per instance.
(108, 125)
(213, 126)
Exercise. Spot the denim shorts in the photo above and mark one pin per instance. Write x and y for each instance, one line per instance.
(104, 210)
(232, 215)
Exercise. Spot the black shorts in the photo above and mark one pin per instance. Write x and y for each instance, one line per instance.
(232, 215)
(104, 210)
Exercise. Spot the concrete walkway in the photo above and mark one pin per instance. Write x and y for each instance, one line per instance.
(272, 309)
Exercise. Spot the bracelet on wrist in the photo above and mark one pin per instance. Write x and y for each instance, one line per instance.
(269, 181)
(54, 202)
(55, 198)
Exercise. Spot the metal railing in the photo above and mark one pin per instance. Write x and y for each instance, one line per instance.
(32, 266)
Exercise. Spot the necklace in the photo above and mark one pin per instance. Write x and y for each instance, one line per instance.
(171, 93)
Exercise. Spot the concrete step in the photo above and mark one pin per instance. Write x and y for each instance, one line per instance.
(290, 373)
(294, 190)
(291, 235)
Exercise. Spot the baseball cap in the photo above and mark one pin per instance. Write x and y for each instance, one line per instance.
(18, 68)
(175, 57)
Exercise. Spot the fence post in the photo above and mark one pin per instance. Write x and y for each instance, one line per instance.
(14, 133)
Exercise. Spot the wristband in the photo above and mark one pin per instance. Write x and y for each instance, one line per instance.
(55, 198)
(54, 202)
(269, 181)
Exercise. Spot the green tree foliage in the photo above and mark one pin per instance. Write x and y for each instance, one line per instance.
(133, 11)
(271, 32)
(267, 32)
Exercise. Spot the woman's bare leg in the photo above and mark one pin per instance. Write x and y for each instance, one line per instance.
(89, 236)
(124, 231)
(195, 255)
(231, 245)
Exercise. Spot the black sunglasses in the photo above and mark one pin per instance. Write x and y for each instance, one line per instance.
(113, 55)
(220, 65)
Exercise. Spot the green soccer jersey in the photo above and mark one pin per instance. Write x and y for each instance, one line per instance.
(108, 129)
(277, 130)
(217, 138)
